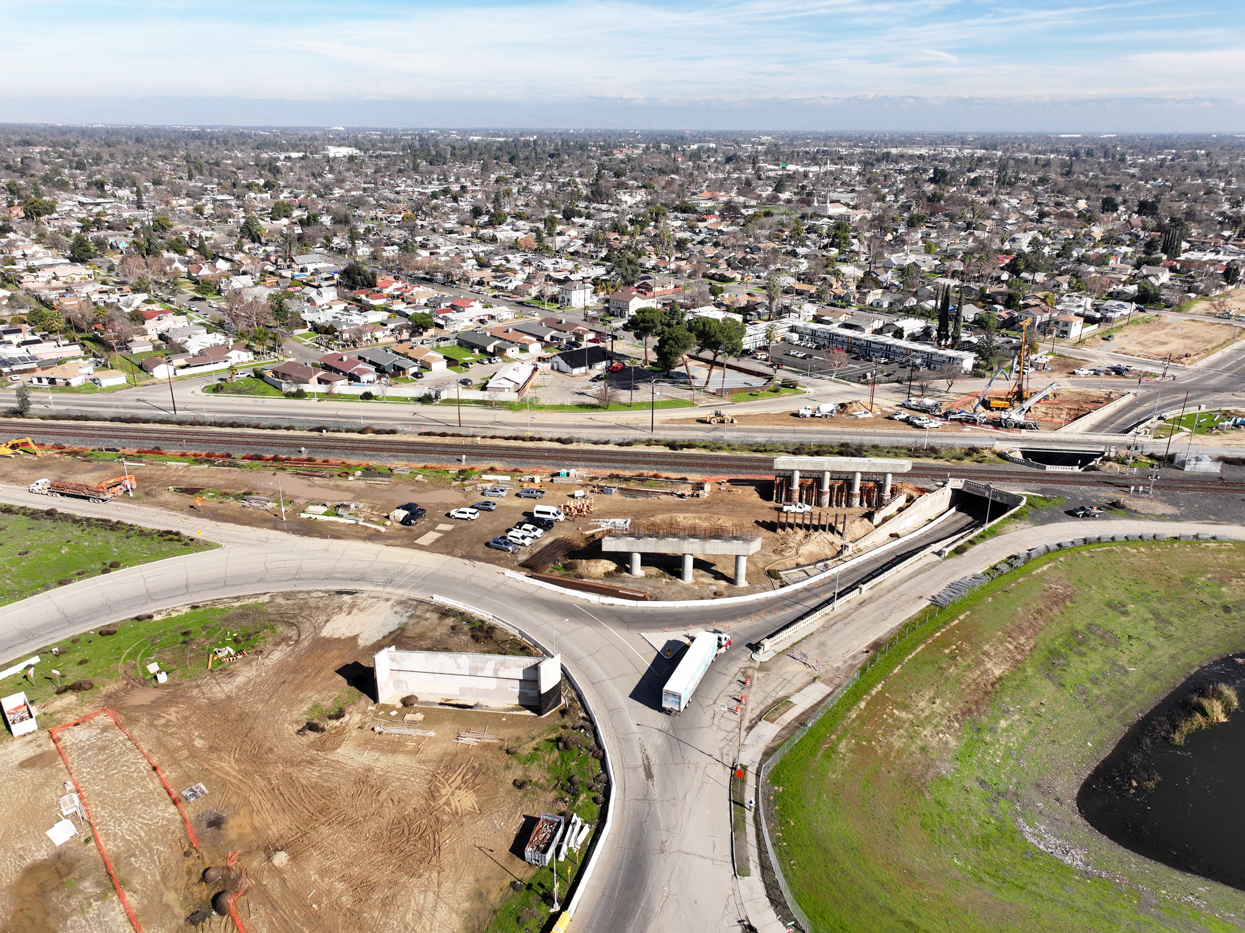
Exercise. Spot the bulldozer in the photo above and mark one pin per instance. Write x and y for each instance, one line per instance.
(720, 417)
(18, 445)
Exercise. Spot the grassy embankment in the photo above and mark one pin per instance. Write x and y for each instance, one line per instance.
(931, 796)
(45, 549)
(180, 643)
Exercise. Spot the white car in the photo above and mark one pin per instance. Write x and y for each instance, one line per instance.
(799, 507)
(519, 537)
(1082, 372)
(530, 530)
(467, 515)
(924, 423)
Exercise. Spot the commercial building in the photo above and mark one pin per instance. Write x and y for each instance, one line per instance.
(891, 349)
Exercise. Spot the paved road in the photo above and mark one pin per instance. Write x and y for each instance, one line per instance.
(667, 865)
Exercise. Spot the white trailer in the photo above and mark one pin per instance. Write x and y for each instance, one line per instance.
(687, 676)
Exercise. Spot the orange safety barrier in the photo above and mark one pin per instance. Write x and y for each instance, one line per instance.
(231, 861)
(99, 842)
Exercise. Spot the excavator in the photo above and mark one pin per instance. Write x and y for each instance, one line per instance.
(18, 445)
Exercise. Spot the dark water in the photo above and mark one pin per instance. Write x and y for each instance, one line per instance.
(1194, 817)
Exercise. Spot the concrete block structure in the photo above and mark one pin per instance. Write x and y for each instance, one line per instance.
(827, 482)
(479, 681)
(688, 546)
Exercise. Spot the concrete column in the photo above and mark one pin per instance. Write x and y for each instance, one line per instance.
(854, 500)
(741, 569)
(636, 569)
(823, 500)
(687, 568)
(886, 489)
(793, 494)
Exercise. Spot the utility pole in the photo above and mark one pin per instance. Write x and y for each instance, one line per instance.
(652, 408)
(171, 396)
(458, 391)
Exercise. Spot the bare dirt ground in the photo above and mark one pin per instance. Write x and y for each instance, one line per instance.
(378, 832)
(1186, 341)
(742, 502)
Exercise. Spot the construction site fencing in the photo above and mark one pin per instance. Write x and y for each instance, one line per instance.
(54, 734)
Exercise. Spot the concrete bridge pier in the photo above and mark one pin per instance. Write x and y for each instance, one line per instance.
(636, 570)
(687, 568)
(793, 491)
(741, 569)
(854, 500)
(823, 501)
(886, 489)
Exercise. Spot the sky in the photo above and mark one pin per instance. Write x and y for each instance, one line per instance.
(818, 65)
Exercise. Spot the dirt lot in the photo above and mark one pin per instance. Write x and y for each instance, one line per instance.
(338, 828)
(1186, 341)
(742, 502)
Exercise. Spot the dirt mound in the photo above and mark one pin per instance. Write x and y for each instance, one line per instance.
(593, 569)
(855, 405)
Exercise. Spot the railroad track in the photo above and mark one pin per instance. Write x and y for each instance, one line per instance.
(380, 447)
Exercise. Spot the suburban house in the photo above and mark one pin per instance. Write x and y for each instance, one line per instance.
(526, 342)
(387, 362)
(575, 295)
(545, 335)
(71, 373)
(563, 326)
(428, 359)
(106, 378)
(626, 301)
(138, 345)
(160, 367)
(486, 344)
(234, 355)
(1068, 326)
(293, 376)
(578, 362)
(353, 369)
(510, 378)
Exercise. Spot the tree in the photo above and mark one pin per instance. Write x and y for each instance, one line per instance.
(279, 306)
(943, 308)
(23, 400)
(773, 291)
(771, 335)
(674, 343)
(281, 210)
(421, 321)
(724, 338)
(252, 229)
(646, 323)
(161, 223)
(836, 359)
(497, 217)
(356, 276)
(1148, 293)
(37, 208)
(949, 373)
(1110, 204)
(606, 392)
(81, 249)
(987, 350)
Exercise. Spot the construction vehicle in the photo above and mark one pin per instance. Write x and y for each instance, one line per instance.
(1017, 415)
(98, 492)
(687, 676)
(720, 417)
(18, 445)
(805, 412)
(1016, 395)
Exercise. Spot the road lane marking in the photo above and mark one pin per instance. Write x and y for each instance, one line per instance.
(616, 635)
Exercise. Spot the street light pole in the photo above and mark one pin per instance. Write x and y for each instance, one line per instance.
(652, 408)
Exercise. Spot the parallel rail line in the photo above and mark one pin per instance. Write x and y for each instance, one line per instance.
(445, 451)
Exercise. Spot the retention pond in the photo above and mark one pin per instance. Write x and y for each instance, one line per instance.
(1171, 790)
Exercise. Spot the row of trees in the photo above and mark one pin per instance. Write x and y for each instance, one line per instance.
(676, 336)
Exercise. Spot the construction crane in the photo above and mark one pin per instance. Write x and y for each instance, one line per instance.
(18, 445)
(1017, 415)
(1016, 394)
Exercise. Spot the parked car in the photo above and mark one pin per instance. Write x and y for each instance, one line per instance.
(414, 512)
(519, 538)
(530, 494)
(920, 422)
(608, 490)
(502, 544)
(465, 382)
(1082, 372)
(530, 530)
(1088, 511)
(497, 491)
(467, 515)
(798, 507)
(543, 524)
(616, 367)
(485, 505)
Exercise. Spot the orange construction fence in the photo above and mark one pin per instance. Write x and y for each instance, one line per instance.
(99, 842)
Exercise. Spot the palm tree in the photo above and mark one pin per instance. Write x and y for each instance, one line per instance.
(771, 335)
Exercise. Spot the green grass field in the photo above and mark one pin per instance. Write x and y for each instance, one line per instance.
(245, 385)
(939, 794)
(180, 643)
(41, 551)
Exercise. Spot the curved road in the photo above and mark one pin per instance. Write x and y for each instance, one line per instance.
(667, 863)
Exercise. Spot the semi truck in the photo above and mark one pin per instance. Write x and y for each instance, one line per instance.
(691, 668)
(95, 493)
